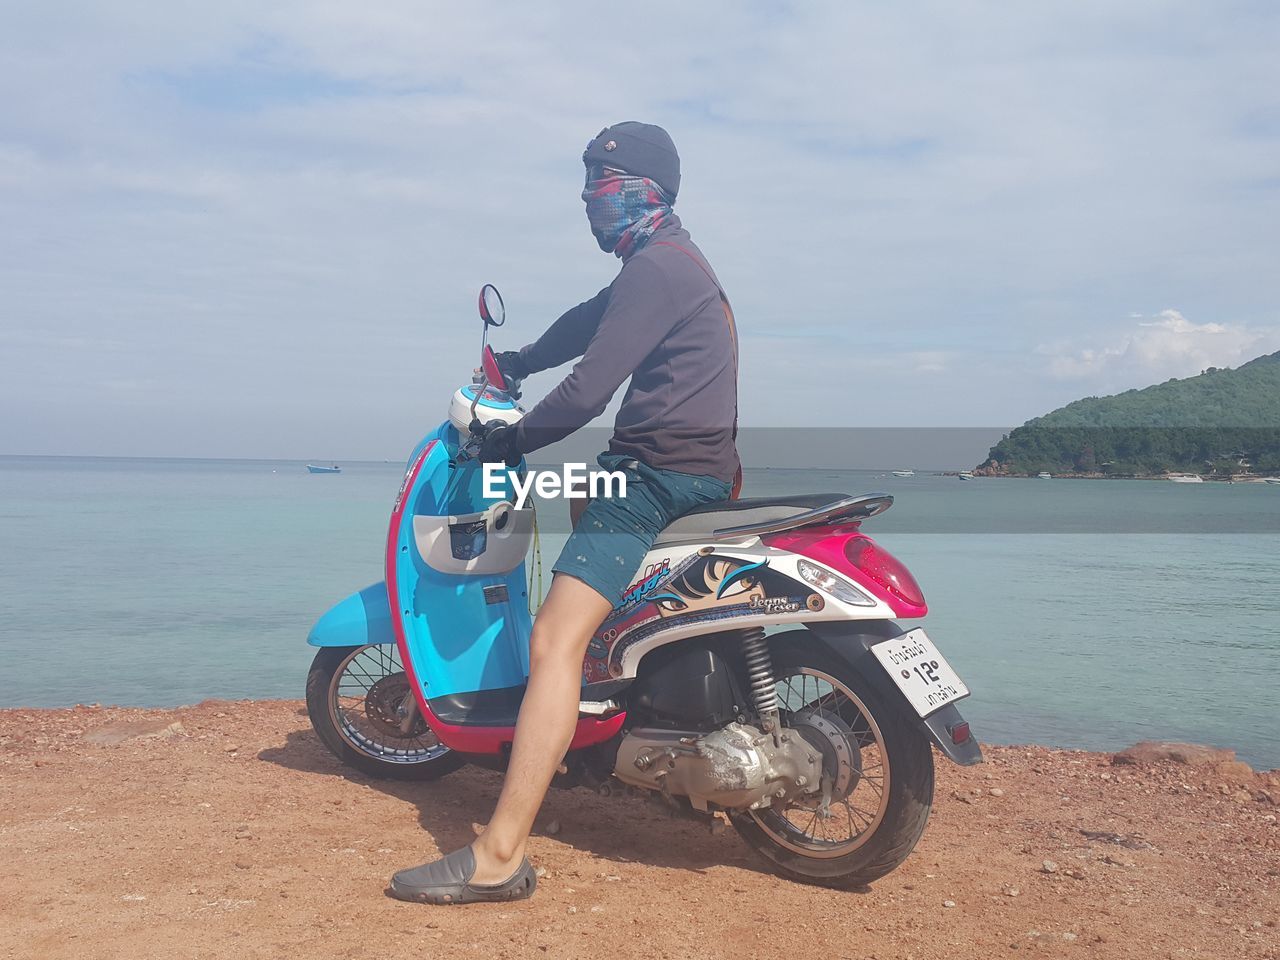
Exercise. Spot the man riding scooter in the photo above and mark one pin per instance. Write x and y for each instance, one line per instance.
(665, 323)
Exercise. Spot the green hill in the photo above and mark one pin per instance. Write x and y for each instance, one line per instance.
(1220, 422)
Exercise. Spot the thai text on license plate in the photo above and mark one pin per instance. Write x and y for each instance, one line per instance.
(920, 671)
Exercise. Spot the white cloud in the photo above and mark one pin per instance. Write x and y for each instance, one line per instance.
(1167, 345)
(302, 198)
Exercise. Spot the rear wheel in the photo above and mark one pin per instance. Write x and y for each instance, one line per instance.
(361, 706)
(877, 783)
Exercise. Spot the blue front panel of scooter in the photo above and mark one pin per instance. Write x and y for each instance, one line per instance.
(460, 638)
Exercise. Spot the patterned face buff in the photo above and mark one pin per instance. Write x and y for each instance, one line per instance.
(623, 210)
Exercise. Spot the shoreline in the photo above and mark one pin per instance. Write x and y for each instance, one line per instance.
(1238, 478)
(227, 827)
(226, 705)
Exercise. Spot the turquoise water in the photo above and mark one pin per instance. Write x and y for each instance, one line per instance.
(162, 582)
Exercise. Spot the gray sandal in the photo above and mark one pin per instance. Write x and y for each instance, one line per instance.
(448, 881)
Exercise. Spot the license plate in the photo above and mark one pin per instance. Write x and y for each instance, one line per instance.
(920, 671)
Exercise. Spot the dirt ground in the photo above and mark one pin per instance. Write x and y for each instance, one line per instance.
(226, 830)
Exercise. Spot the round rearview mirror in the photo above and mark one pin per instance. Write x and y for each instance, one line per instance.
(492, 310)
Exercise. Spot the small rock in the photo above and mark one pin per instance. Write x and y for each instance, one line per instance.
(1048, 867)
(1068, 935)
(243, 864)
(231, 748)
(597, 909)
(996, 792)
(552, 828)
(948, 903)
(541, 873)
(1011, 891)
(573, 910)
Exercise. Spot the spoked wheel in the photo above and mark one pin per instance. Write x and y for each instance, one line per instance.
(877, 775)
(361, 706)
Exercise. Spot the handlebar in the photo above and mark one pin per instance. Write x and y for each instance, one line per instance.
(470, 449)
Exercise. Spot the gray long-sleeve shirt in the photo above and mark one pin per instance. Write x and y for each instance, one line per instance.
(661, 323)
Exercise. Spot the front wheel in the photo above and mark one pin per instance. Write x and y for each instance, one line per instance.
(361, 707)
(877, 784)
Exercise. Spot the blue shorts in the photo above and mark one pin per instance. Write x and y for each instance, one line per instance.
(614, 533)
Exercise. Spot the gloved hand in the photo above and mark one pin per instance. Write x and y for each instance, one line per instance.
(513, 370)
(498, 444)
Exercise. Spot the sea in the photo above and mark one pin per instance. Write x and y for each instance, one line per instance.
(1081, 613)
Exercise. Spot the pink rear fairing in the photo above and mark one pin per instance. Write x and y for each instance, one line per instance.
(882, 575)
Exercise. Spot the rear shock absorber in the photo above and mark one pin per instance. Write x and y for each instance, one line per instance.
(764, 692)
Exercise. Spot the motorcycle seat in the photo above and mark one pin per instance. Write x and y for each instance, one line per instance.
(755, 516)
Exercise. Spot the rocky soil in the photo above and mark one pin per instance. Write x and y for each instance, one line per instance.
(226, 830)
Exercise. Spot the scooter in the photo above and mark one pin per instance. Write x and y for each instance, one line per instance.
(753, 670)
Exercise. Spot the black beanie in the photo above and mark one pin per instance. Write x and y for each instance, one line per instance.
(641, 149)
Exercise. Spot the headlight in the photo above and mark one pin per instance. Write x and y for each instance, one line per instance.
(828, 582)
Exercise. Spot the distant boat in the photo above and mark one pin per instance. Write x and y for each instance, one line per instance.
(1044, 475)
(1185, 478)
(312, 468)
(904, 473)
(1271, 479)
(966, 475)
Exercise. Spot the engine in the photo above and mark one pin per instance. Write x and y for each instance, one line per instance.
(692, 738)
(737, 767)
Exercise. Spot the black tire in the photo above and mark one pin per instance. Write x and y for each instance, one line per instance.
(321, 707)
(908, 757)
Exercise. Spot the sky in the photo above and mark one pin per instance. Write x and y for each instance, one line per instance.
(248, 229)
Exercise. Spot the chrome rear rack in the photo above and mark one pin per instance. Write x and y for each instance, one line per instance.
(861, 507)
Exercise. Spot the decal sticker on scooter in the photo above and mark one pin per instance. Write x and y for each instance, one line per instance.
(776, 604)
(640, 590)
(709, 582)
(700, 588)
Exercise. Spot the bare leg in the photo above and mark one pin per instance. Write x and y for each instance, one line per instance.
(569, 617)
